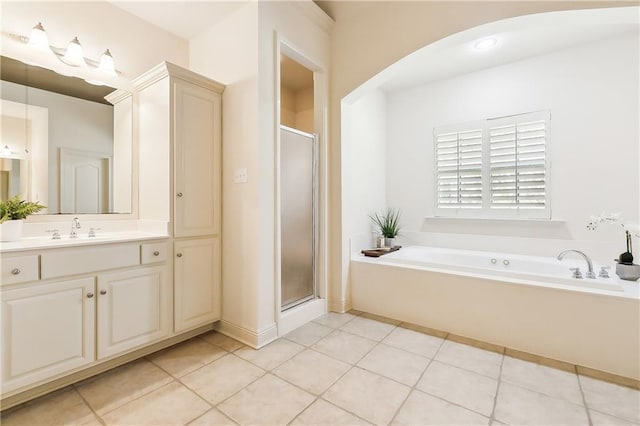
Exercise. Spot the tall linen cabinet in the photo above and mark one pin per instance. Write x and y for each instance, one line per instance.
(179, 120)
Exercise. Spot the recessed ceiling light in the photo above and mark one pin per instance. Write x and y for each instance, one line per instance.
(486, 43)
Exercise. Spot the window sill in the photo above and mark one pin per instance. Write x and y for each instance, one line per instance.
(494, 219)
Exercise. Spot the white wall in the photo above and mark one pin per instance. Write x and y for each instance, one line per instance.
(364, 185)
(592, 93)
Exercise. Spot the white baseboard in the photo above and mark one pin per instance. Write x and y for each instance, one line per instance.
(252, 338)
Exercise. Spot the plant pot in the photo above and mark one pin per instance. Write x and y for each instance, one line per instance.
(11, 230)
(389, 242)
(628, 272)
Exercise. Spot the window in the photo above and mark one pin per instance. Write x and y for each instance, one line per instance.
(493, 168)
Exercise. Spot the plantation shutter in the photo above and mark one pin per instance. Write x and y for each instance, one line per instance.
(458, 168)
(518, 164)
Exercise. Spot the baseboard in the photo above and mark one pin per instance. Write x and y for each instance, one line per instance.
(252, 338)
(300, 315)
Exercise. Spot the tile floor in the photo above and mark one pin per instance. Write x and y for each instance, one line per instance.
(341, 369)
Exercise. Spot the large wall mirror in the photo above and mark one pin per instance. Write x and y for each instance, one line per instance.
(64, 141)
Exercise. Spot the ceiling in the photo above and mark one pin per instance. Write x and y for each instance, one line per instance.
(42, 78)
(185, 19)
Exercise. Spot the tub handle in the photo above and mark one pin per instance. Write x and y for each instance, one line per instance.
(494, 261)
(505, 262)
(576, 273)
(603, 272)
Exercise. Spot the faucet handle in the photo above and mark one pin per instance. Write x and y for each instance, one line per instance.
(604, 272)
(55, 232)
(576, 273)
(92, 232)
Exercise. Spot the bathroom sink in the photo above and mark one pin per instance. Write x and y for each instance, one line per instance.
(104, 238)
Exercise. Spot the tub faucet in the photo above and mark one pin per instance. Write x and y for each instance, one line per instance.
(589, 273)
(75, 225)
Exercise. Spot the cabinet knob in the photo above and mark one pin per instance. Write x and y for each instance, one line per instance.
(103, 292)
(179, 194)
(156, 253)
(179, 254)
(15, 271)
(89, 295)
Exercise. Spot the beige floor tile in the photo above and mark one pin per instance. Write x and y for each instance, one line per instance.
(371, 329)
(616, 400)
(172, 404)
(344, 346)
(222, 378)
(267, 401)
(312, 371)
(62, 407)
(272, 355)
(414, 341)
(323, 413)
(395, 364)
(601, 419)
(468, 389)
(423, 409)
(309, 333)
(212, 417)
(219, 339)
(470, 358)
(368, 395)
(547, 380)
(186, 357)
(115, 388)
(334, 320)
(520, 406)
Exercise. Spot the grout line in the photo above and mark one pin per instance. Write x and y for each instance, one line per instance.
(492, 416)
(208, 411)
(100, 419)
(413, 388)
(584, 398)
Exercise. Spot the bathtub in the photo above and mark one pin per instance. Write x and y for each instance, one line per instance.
(526, 303)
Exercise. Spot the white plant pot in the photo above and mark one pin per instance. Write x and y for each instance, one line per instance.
(390, 242)
(11, 230)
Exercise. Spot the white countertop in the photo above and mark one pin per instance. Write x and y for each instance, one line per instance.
(46, 242)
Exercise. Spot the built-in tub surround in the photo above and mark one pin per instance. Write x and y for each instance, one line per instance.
(560, 318)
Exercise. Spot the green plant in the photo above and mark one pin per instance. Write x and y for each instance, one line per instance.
(15, 209)
(387, 222)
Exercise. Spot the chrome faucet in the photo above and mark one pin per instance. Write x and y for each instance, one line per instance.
(589, 273)
(75, 225)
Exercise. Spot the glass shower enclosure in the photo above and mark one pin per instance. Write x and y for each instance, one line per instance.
(298, 216)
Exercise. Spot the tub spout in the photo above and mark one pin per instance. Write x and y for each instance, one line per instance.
(589, 273)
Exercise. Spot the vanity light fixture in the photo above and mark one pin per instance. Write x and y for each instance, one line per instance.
(73, 55)
(485, 43)
(6, 150)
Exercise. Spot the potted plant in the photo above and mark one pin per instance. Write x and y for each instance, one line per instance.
(12, 212)
(388, 223)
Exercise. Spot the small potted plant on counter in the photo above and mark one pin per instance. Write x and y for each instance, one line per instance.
(388, 224)
(625, 268)
(12, 213)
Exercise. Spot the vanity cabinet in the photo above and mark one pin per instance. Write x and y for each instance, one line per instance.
(47, 329)
(180, 169)
(50, 327)
(197, 282)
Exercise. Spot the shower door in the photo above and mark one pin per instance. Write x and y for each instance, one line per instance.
(298, 217)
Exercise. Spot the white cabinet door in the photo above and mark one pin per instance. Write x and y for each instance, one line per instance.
(197, 145)
(47, 329)
(197, 282)
(134, 309)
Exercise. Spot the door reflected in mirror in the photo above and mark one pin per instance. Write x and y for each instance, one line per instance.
(61, 144)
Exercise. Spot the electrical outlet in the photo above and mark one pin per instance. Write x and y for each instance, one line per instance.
(240, 176)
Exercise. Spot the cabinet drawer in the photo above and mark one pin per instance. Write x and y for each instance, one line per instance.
(153, 253)
(71, 261)
(20, 269)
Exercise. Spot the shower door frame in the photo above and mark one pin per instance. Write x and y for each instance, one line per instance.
(314, 217)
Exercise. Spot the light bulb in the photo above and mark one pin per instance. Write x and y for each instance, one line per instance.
(6, 150)
(38, 37)
(107, 65)
(74, 55)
